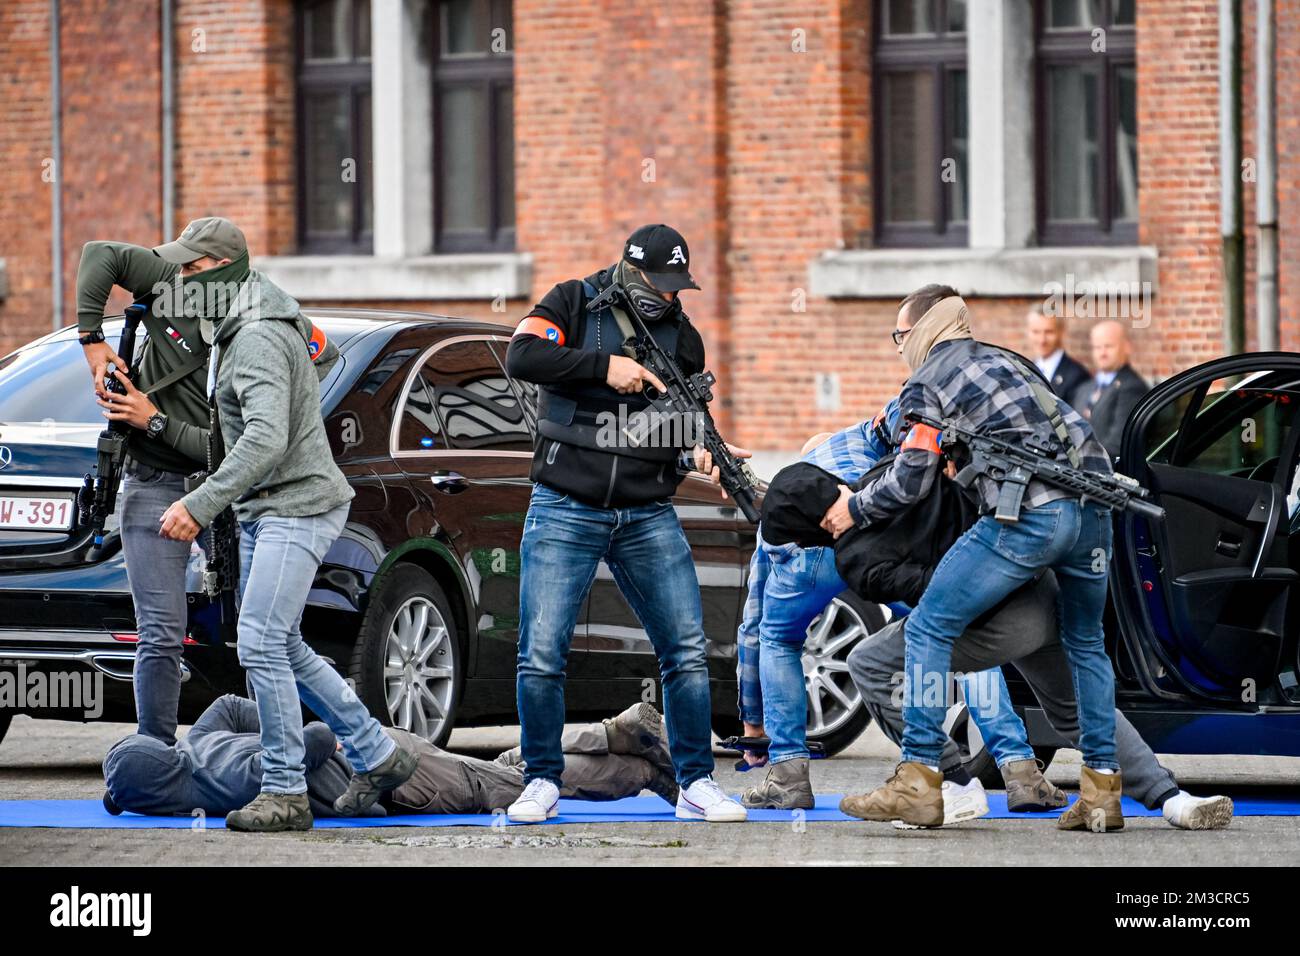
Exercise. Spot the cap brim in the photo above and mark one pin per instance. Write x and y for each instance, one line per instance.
(177, 253)
(671, 281)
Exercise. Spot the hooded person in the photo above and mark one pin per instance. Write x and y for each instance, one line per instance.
(292, 502)
(216, 767)
(159, 397)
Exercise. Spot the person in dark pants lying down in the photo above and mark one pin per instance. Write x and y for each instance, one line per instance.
(1024, 632)
(216, 768)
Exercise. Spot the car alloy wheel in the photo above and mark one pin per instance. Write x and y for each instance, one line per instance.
(833, 698)
(419, 668)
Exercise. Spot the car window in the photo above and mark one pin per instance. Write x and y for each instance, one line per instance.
(527, 391)
(1240, 427)
(473, 399)
(49, 382)
(420, 429)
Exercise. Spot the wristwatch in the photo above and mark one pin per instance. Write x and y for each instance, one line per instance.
(157, 425)
(90, 338)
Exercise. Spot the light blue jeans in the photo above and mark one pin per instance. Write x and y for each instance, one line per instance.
(278, 558)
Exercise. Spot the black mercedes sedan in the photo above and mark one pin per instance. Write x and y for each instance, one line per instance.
(417, 602)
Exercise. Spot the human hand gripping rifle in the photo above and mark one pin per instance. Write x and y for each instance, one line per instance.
(688, 397)
(1014, 466)
(97, 499)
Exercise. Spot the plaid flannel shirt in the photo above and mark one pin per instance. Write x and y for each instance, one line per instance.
(980, 386)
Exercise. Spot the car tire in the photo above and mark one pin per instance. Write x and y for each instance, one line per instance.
(407, 624)
(830, 639)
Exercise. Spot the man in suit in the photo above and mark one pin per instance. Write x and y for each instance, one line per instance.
(1046, 334)
(1109, 397)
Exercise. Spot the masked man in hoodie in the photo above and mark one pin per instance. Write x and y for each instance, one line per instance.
(291, 501)
(217, 767)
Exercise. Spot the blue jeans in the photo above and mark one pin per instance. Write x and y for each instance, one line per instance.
(563, 544)
(797, 588)
(155, 569)
(278, 559)
(986, 564)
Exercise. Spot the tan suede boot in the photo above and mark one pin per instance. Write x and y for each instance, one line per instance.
(914, 795)
(1028, 791)
(1097, 808)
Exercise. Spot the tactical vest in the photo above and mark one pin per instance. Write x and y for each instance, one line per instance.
(590, 414)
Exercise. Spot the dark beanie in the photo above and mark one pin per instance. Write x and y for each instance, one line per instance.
(796, 501)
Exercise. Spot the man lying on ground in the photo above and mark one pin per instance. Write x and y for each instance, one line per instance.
(217, 767)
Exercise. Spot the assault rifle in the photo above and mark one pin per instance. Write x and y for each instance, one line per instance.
(1014, 466)
(686, 396)
(97, 498)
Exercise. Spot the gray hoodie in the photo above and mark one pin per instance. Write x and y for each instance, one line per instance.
(278, 459)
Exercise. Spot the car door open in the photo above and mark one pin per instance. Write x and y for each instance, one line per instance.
(1207, 598)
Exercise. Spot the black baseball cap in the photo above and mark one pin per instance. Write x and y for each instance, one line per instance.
(662, 254)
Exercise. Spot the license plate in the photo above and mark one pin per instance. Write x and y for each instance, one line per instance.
(34, 513)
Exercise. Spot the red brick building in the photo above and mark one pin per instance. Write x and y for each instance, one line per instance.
(823, 159)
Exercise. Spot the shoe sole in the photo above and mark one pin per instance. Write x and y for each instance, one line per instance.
(295, 827)
(896, 820)
(693, 815)
(688, 813)
(365, 800)
(1034, 807)
(1080, 826)
(534, 817)
(1215, 815)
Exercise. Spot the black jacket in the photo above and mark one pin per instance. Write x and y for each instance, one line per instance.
(1109, 408)
(892, 561)
(594, 477)
(1069, 377)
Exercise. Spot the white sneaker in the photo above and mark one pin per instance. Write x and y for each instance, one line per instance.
(966, 801)
(1198, 813)
(540, 801)
(704, 800)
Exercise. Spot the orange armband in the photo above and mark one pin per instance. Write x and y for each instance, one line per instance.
(923, 437)
(542, 328)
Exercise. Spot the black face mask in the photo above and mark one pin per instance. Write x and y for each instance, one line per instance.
(643, 298)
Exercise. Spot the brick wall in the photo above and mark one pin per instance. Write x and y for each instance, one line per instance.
(235, 125)
(24, 145)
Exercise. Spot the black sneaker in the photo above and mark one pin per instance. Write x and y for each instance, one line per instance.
(272, 813)
(364, 790)
(111, 806)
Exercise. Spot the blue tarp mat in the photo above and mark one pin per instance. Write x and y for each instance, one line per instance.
(90, 814)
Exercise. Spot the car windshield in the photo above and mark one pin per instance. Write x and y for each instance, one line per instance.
(47, 382)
